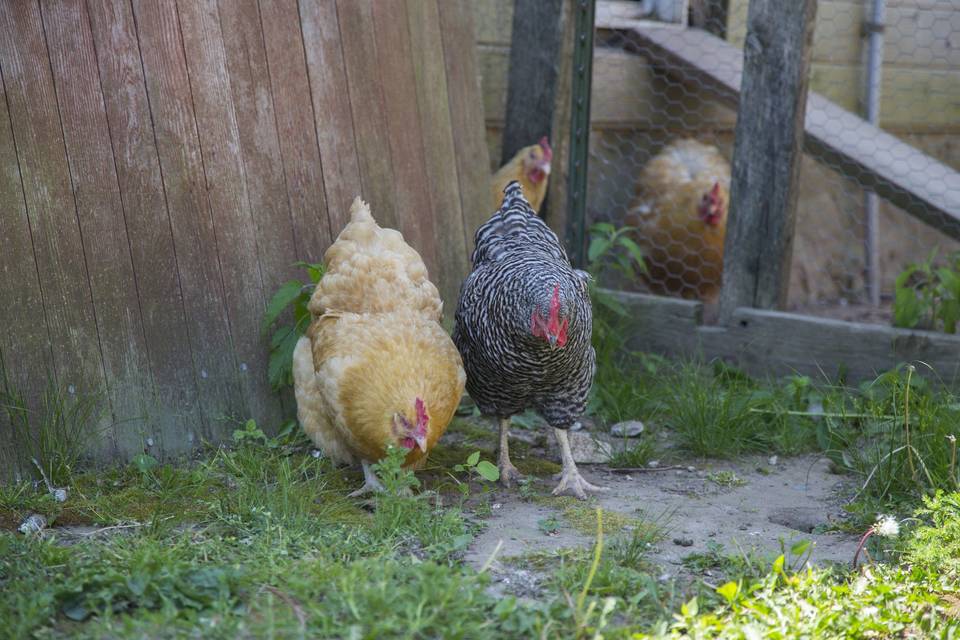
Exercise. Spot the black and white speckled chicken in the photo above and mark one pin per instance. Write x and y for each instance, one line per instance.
(523, 328)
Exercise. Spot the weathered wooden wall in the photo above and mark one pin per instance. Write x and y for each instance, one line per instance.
(163, 164)
(637, 108)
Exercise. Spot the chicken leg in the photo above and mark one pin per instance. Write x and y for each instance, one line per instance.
(570, 479)
(508, 472)
(371, 483)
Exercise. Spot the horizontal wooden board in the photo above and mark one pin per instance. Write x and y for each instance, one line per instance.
(779, 344)
(627, 93)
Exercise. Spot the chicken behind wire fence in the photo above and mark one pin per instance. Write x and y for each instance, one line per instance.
(642, 113)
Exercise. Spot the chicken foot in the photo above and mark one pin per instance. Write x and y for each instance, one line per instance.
(570, 479)
(371, 483)
(508, 472)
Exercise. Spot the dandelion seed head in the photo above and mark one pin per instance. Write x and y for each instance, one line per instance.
(887, 527)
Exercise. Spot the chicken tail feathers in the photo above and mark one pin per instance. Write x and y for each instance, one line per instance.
(360, 211)
(515, 222)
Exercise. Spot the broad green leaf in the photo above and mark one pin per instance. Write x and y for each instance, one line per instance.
(280, 367)
(598, 246)
(488, 470)
(778, 564)
(800, 548)
(729, 591)
(633, 248)
(603, 227)
(473, 458)
(283, 298)
(144, 462)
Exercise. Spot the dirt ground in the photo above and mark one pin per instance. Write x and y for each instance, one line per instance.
(790, 500)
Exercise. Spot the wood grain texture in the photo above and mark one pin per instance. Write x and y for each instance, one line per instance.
(764, 342)
(191, 222)
(292, 102)
(331, 103)
(57, 240)
(25, 356)
(536, 41)
(449, 233)
(766, 155)
(227, 189)
(466, 113)
(367, 104)
(103, 228)
(416, 218)
(173, 402)
(249, 77)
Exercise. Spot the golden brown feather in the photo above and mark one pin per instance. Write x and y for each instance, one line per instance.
(531, 168)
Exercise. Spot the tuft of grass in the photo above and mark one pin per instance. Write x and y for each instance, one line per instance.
(639, 454)
(53, 436)
(726, 479)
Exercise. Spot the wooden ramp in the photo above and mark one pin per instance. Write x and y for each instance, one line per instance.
(896, 171)
(163, 165)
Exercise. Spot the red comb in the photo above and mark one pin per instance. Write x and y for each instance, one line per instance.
(547, 151)
(422, 415)
(716, 190)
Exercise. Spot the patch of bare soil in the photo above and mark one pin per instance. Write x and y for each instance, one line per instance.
(794, 499)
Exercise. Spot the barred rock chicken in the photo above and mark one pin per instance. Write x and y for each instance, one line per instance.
(680, 209)
(531, 167)
(376, 367)
(523, 327)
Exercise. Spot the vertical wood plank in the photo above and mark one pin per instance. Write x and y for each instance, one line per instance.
(102, 226)
(50, 206)
(194, 236)
(766, 155)
(558, 210)
(229, 202)
(450, 234)
(176, 411)
(368, 108)
(246, 59)
(300, 153)
(416, 218)
(535, 43)
(25, 357)
(331, 104)
(466, 113)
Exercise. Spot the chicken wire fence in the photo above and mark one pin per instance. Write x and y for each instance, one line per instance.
(661, 143)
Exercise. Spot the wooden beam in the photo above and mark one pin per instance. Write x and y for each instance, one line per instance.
(754, 340)
(534, 69)
(766, 155)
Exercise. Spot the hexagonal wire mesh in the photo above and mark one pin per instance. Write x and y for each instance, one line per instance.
(661, 143)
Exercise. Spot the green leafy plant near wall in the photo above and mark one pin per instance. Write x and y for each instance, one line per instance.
(927, 295)
(295, 294)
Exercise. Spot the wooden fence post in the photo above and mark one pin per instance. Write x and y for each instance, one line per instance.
(535, 88)
(766, 154)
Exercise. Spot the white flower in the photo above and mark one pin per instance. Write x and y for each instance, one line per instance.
(887, 527)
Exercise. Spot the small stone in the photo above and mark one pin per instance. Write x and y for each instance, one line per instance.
(316, 453)
(587, 449)
(683, 542)
(496, 505)
(576, 426)
(691, 469)
(149, 442)
(60, 495)
(772, 461)
(627, 429)
(653, 464)
(34, 523)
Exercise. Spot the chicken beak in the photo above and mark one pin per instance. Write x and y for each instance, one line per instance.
(421, 443)
(553, 341)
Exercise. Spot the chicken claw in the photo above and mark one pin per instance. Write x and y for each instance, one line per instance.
(570, 479)
(371, 483)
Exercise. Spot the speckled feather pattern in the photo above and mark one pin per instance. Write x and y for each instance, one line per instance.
(517, 262)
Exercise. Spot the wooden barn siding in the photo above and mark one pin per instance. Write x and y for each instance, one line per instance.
(163, 164)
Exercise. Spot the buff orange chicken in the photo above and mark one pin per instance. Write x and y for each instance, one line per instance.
(376, 368)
